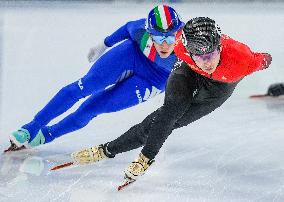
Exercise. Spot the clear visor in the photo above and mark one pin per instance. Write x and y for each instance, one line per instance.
(205, 57)
(160, 39)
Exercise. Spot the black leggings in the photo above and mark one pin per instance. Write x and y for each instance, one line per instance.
(189, 96)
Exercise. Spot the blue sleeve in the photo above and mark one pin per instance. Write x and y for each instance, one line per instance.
(127, 31)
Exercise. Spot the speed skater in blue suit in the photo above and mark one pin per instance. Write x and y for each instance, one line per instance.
(124, 76)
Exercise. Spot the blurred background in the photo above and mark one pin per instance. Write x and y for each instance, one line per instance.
(235, 154)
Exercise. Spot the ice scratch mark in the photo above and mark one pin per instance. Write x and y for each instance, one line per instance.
(69, 188)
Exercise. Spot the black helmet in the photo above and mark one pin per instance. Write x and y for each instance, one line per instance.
(202, 35)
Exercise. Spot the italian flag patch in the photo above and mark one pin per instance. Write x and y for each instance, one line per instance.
(147, 46)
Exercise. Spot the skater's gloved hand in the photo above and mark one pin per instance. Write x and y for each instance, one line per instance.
(89, 155)
(276, 89)
(267, 60)
(96, 51)
(137, 167)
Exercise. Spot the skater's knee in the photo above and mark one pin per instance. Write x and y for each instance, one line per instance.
(142, 138)
(142, 135)
(73, 91)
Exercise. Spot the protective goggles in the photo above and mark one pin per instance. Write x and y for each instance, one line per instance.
(205, 57)
(160, 39)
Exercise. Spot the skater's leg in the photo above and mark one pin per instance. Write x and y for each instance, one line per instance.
(108, 70)
(123, 95)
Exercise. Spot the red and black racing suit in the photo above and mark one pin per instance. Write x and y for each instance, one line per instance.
(190, 95)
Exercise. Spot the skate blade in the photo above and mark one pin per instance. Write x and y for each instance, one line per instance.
(14, 147)
(62, 166)
(125, 184)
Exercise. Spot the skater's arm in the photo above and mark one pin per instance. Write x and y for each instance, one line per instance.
(131, 30)
(127, 31)
(259, 61)
(256, 61)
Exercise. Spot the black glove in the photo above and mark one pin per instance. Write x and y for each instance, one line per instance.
(276, 89)
(267, 60)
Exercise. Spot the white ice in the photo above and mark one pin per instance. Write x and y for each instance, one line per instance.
(234, 154)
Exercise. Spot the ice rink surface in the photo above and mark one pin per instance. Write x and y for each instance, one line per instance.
(234, 154)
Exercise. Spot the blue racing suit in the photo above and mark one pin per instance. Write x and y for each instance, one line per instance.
(125, 76)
